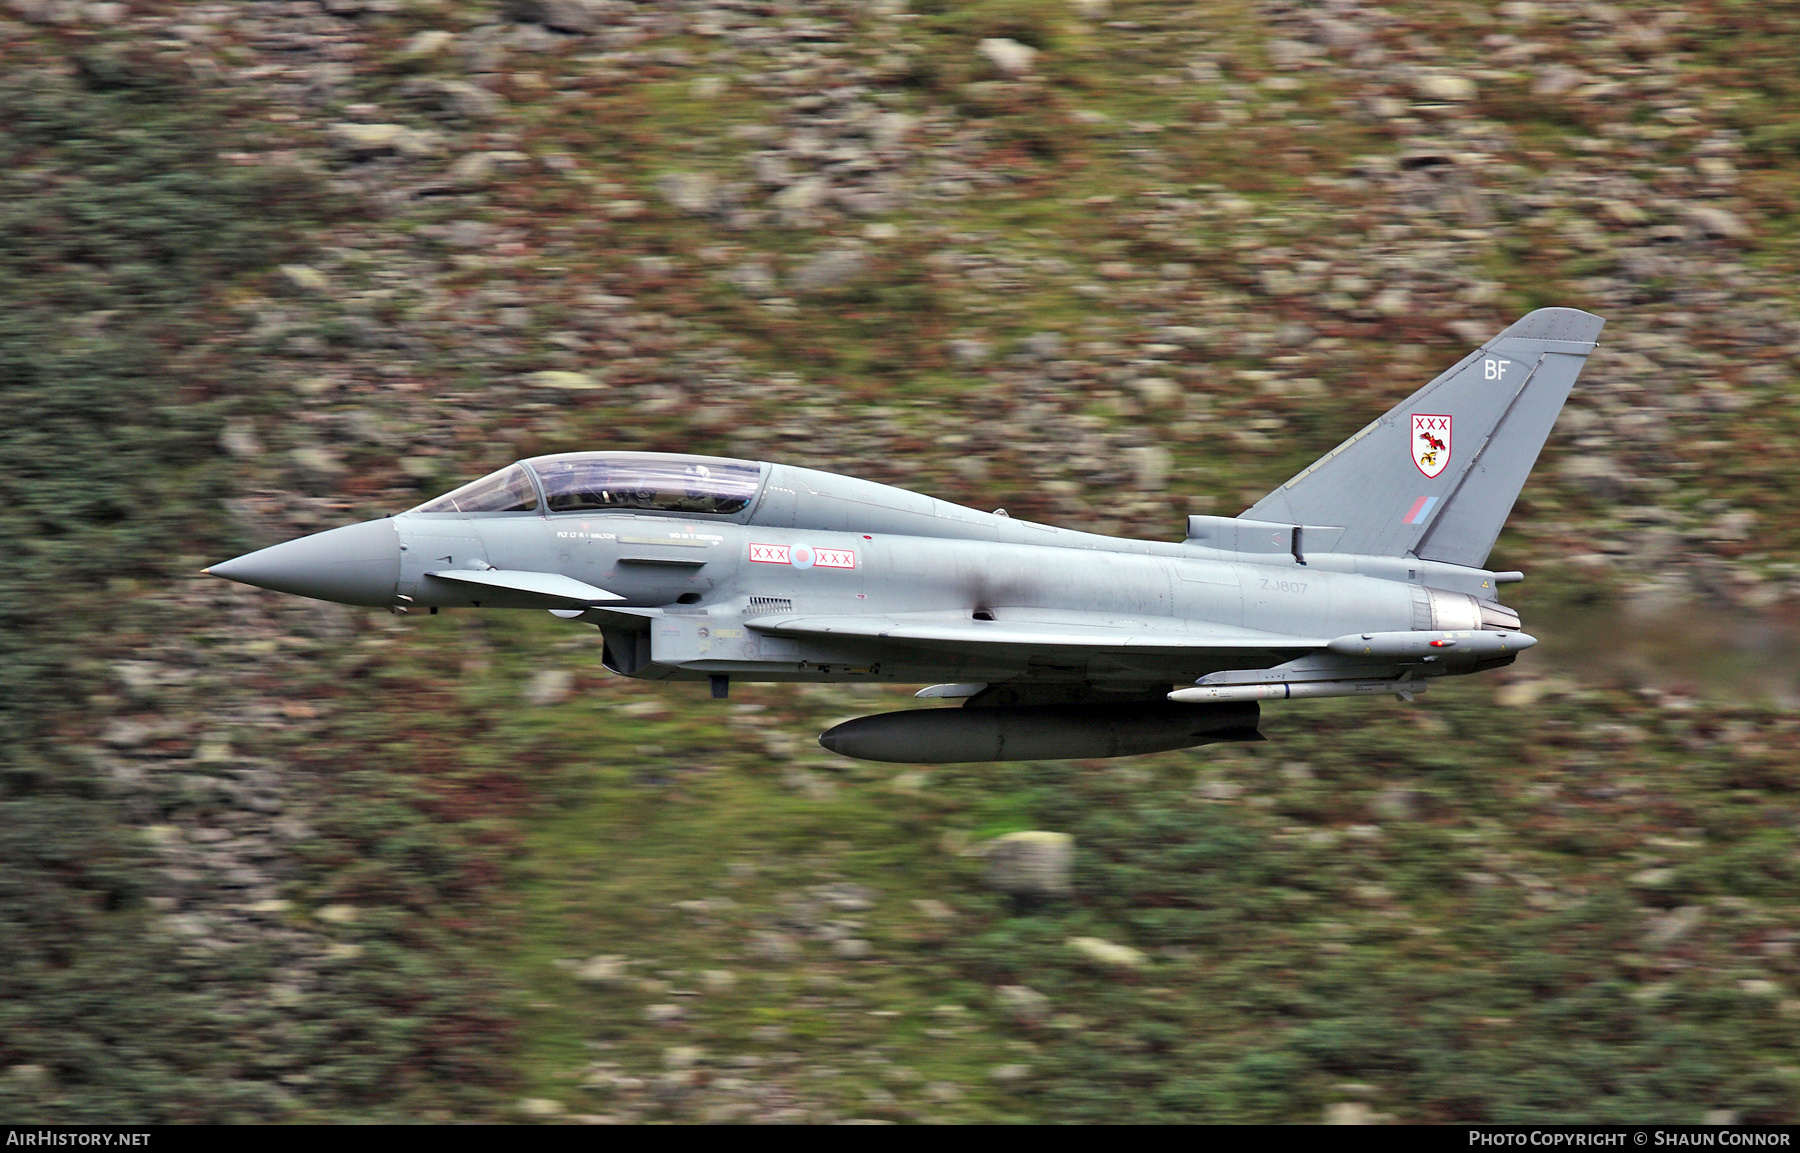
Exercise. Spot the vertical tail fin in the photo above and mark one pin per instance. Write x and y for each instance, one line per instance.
(1437, 475)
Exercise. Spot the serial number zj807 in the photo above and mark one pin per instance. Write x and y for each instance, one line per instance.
(1281, 586)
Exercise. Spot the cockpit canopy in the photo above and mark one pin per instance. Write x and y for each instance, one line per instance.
(610, 481)
(598, 481)
(509, 490)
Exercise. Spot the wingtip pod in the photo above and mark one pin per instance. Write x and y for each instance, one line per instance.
(1416, 645)
(1570, 324)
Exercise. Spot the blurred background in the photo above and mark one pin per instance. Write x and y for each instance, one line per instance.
(270, 266)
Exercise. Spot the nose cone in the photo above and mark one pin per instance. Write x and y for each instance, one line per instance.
(358, 564)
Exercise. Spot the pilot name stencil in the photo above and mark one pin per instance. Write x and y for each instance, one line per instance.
(803, 556)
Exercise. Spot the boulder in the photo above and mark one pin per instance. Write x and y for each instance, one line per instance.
(690, 192)
(562, 15)
(1009, 56)
(830, 270)
(1109, 954)
(1031, 865)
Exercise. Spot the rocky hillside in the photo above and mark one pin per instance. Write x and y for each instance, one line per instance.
(274, 265)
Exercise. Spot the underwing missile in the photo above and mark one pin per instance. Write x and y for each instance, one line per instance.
(1211, 694)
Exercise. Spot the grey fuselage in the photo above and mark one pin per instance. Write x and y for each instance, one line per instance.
(704, 595)
(1359, 575)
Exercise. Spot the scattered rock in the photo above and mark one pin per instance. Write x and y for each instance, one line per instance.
(604, 969)
(1031, 865)
(1156, 391)
(452, 99)
(1218, 790)
(773, 946)
(830, 270)
(683, 1056)
(1007, 55)
(1596, 473)
(1109, 954)
(1354, 1113)
(1444, 86)
(429, 43)
(752, 278)
(1023, 1004)
(1395, 803)
(1150, 466)
(317, 460)
(943, 1092)
(691, 192)
(1557, 79)
(305, 277)
(549, 687)
(1673, 927)
(934, 909)
(239, 439)
(1391, 302)
(799, 201)
(968, 352)
(364, 141)
(562, 380)
(1521, 693)
(562, 15)
(1715, 221)
(471, 171)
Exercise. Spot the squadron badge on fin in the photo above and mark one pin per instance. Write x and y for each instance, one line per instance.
(1431, 442)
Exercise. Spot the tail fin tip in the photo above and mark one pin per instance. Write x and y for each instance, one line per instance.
(1569, 324)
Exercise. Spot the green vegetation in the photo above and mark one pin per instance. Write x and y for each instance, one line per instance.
(275, 267)
(123, 232)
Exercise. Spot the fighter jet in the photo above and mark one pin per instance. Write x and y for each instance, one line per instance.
(1364, 574)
